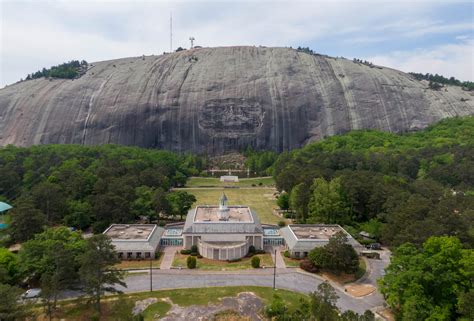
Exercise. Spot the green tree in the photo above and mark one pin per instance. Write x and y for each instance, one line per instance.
(283, 201)
(26, 220)
(80, 214)
(180, 202)
(327, 203)
(143, 204)
(323, 303)
(9, 266)
(298, 201)
(160, 202)
(276, 309)
(428, 282)
(255, 262)
(97, 273)
(191, 262)
(54, 251)
(49, 198)
(10, 307)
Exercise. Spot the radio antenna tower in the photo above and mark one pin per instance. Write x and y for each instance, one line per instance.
(171, 32)
(192, 41)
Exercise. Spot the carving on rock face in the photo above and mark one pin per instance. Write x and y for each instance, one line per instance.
(231, 117)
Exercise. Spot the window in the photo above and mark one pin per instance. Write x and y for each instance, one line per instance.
(305, 254)
(120, 255)
(139, 255)
(297, 254)
(129, 255)
(147, 255)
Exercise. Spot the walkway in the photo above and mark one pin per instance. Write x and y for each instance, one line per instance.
(278, 260)
(169, 252)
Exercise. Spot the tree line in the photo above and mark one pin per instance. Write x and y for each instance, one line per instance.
(68, 70)
(399, 188)
(82, 187)
(468, 85)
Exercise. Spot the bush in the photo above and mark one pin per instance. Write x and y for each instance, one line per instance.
(281, 223)
(194, 254)
(199, 256)
(185, 252)
(286, 253)
(191, 262)
(194, 249)
(260, 251)
(251, 249)
(276, 308)
(157, 255)
(255, 262)
(308, 266)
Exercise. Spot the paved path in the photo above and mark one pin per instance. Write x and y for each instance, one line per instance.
(169, 252)
(278, 259)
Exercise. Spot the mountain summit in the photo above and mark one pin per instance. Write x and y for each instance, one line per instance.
(221, 99)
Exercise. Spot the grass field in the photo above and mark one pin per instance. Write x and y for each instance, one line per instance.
(261, 200)
(78, 310)
(215, 265)
(243, 182)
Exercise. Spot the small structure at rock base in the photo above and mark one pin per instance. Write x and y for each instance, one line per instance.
(229, 178)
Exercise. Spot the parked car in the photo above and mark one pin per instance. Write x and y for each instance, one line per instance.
(374, 246)
(31, 294)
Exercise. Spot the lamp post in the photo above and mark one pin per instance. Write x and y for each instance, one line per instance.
(151, 276)
(274, 270)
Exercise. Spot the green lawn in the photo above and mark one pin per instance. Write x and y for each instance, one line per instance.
(215, 265)
(260, 200)
(243, 182)
(158, 309)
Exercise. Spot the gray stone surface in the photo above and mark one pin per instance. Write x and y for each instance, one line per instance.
(220, 99)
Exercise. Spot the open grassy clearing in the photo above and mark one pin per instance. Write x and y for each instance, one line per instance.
(243, 182)
(79, 310)
(215, 265)
(261, 200)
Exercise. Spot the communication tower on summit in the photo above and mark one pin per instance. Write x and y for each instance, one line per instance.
(192, 41)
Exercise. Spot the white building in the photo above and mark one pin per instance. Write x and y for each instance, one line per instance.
(135, 241)
(300, 239)
(229, 179)
(222, 232)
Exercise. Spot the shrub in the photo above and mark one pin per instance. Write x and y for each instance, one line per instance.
(260, 251)
(308, 266)
(194, 249)
(251, 249)
(281, 223)
(194, 254)
(199, 256)
(260, 183)
(157, 255)
(191, 262)
(276, 308)
(255, 262)
(286, 253)
(185, 252)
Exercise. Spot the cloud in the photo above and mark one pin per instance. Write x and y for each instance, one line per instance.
(448, 60)
(44, 33)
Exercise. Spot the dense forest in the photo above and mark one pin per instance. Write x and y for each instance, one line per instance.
(469, 85)
(68, 70)
(83, 186)
(399, 188)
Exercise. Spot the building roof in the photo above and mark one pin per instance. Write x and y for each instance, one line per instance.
(305, 237)
(130, 231)
(248, 223)
(211, 214)
(135, 237)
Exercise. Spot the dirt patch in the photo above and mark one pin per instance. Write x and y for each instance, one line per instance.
(358, 290)
(341, 278)
(387, 314)
(246, 304)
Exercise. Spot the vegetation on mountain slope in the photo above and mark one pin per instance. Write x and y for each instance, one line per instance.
(399, 188)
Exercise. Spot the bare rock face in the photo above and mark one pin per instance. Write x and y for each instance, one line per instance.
(214, 100)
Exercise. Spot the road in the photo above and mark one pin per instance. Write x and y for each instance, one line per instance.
(289, 279)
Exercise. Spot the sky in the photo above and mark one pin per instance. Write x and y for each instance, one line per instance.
(428, 36)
